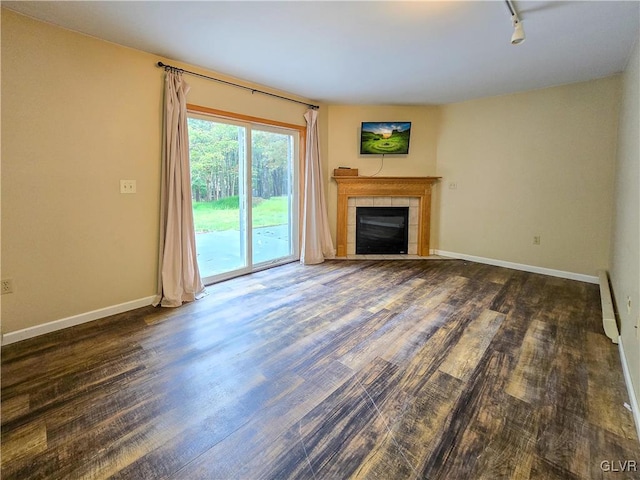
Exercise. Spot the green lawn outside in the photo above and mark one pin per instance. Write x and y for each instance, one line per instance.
(224, 214)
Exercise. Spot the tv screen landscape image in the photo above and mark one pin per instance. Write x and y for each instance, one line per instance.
(382, 138)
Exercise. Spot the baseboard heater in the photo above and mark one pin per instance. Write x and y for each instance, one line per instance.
(608, 315)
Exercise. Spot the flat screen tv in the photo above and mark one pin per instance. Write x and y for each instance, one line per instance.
(385, 138)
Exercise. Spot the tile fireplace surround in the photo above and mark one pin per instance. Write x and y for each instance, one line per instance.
(414, 192)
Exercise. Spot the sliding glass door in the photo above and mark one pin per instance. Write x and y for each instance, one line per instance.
(243, 179)
(272, 206)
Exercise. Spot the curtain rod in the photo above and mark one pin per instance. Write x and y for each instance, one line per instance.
(252, 90)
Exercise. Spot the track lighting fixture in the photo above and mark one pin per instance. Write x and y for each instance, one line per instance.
(518, 31)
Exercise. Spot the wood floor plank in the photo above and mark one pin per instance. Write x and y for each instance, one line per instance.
(256, 443)
(339, 433)
(420, 411)
(521, 295)
(24, 441)
(559, 441)
(606, 396)
(385, 342)
(428, 321)
(464, 357)
(528, 381)
(567, 381)
(14, 407)
(497, 431)
(511, 453)
(472, 446)
(260, 410)
(544, 470)
(420, 418)
(620, 455)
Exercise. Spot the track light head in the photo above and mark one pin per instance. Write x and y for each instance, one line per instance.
(518, 31)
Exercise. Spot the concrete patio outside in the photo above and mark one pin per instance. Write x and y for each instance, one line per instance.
(220, 252)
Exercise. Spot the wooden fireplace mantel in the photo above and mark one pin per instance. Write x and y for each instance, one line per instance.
(419, 187)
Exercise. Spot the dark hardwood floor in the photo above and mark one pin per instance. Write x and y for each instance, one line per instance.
(436, 369)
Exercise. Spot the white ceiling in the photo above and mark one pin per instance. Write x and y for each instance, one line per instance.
(370, 52)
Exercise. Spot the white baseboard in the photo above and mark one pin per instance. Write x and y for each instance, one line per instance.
(633, 400)
(49, 327)
(519, 266)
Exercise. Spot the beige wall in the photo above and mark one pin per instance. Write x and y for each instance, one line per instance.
(625, 258)
(539, 163)
(78, 115)
(344, 148)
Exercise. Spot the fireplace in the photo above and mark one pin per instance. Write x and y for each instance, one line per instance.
(414, 192)
(382, 230)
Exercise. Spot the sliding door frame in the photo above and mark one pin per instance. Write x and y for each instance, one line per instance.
(257, 121)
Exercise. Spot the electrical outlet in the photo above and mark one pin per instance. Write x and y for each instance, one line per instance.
(453, 186)
(628, 305)
(127, 186)
(7, 286)
(536, 240)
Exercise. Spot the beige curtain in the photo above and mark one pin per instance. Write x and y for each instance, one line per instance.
(316, 236)
(178, 275)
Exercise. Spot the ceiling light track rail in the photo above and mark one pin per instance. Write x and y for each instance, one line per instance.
(219, 80)
(510, 7)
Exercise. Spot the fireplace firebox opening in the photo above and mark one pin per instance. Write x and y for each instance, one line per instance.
(382, 230)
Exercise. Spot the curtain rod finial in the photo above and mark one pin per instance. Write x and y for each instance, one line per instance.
(160, 64)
